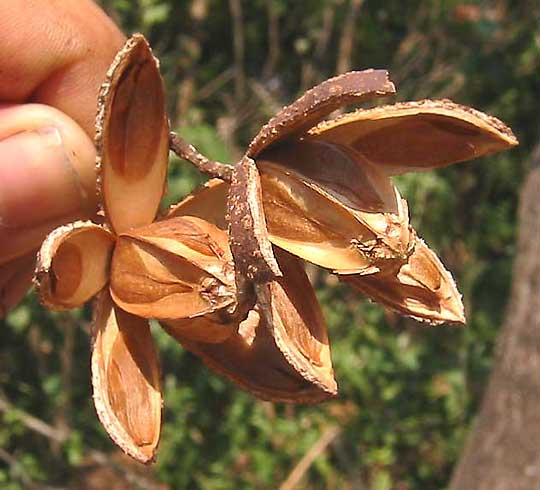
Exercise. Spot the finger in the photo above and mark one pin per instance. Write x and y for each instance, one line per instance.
(56, 52)
(46, 175)
(15, 280)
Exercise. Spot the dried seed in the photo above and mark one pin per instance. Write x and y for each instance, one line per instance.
(308, 224)
(173, 269)
(344, 179)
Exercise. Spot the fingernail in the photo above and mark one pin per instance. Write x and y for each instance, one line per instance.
(37, 179)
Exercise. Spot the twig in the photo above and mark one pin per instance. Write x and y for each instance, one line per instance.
(347, 37)
(34, 423)
(308, 77)
(215, 84)
(270, 105)
(59, 436)
(19, 470)
(273, 41)
(209, 167)
(63, 412)
(238, 40)
(298, 472)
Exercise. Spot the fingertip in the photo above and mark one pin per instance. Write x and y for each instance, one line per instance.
(46, 168)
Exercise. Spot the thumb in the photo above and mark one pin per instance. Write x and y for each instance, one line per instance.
(47, 175)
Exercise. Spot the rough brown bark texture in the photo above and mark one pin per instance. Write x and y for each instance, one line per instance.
(503, 449)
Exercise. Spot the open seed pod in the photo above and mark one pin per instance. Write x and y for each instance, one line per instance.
(326, 204)
(248, 235)
(132, 138)
(422, 288)
(170, 270)
(295, 119)
(73, 264)
(281, 354)
(173, 269)
(207, 202)
(210, 328)
(311, 223)
(419, 135)
(126, 380)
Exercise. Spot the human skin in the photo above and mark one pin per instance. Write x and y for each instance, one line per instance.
(53, 58)
(55, 54)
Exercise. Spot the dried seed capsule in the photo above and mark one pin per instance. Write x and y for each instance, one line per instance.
(132, 138)
(172, 269)
(73, 264)
(327, 205)
(419, 135)
(422, 288)
(280, 352)
(125, 380)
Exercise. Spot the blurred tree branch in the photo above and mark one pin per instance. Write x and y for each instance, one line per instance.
(502, 451)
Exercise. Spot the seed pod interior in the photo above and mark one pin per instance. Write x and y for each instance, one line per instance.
(179, 268)
(73, 264)
(132, 138)
(421, 288)
(293, 120)
(418, 135)
(126, 380)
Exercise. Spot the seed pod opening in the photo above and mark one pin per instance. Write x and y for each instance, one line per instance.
(418, 135)
(281, 354)
(173, 269)
(422, 288)
(73, 265)
(132, 137)
(126, 380)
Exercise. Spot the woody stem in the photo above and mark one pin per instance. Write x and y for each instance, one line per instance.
(188, 152)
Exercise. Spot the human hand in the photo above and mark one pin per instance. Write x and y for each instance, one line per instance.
(53, 59)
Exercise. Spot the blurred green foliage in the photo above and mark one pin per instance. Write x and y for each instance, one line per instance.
(407, 392)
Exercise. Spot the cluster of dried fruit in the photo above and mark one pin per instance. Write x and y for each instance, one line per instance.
(222, 270)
